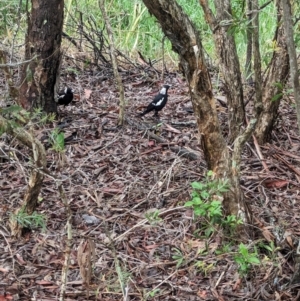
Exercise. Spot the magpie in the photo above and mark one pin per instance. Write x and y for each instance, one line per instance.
(158, 102)
(64, 97)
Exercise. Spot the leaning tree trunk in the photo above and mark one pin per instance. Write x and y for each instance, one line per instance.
(186, 42)
(229, 62)
(43, 41)
(276, 77)
(37, 174)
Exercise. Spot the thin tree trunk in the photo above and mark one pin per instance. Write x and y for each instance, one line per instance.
(248, 66)
(257, 58)
(114, 62)
(229, 62)
(274, 82)
(43, 40)
(289, 34)
(36, 177)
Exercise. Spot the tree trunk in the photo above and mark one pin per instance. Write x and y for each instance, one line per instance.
(43, 41)
(36, 177)
(276, 77)
(248, 65)
(257, 58)
(229, 62)
(186, 42)
(289, 37)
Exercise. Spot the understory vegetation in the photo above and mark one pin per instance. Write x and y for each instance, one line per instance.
(136, 208)
(136, 30)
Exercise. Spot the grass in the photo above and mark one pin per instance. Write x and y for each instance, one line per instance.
(135, 30)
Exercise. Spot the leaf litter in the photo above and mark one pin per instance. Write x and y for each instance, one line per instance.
(115, 179)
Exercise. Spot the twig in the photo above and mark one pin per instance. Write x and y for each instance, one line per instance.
(144, 221)
(68, 249)
(18, 63)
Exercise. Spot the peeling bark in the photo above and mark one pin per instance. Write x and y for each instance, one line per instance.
(228, 62)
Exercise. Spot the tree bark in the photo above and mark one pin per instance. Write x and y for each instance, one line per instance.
(288, 27)
(43, 40)
(229, 62)
(186, 42)
(275, 80)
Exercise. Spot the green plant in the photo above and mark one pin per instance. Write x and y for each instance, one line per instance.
(57, 140)
(271, 248)
(224, 249)
(245, 259)
(206, 203)
(153, 217)
(204, 267)
(31, 221)
(153, 293)
(123, 276)
(179, 257)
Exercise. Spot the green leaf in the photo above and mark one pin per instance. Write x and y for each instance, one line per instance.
(197, 185)
(204, 194)
(277, 97)
(11, 109)
(210, 173)
(189, 204)
(60, 140)
(253, 259)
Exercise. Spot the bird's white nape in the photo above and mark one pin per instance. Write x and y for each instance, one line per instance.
(66, 90)
(163, 91)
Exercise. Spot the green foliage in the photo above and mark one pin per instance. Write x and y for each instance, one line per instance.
(57, 140)
(245, 259)
(123, 275)
(136, 30)
(9, 18)
(153, 217)
(153, 293)
(19, 117)
(224, 249)
(33, 221)
(206, 203)
(271, 249)
(204, 267)
(179, 257)
(11, 109)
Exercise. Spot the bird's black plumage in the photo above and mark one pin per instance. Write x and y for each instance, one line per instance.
(158, 102)
(65, 97)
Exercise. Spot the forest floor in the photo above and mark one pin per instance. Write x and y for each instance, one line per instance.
(127, 187)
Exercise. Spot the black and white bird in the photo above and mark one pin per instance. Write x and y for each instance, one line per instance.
(158, 102)
(64, 97)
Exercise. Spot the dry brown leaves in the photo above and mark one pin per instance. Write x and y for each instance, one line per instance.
(118, 175)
